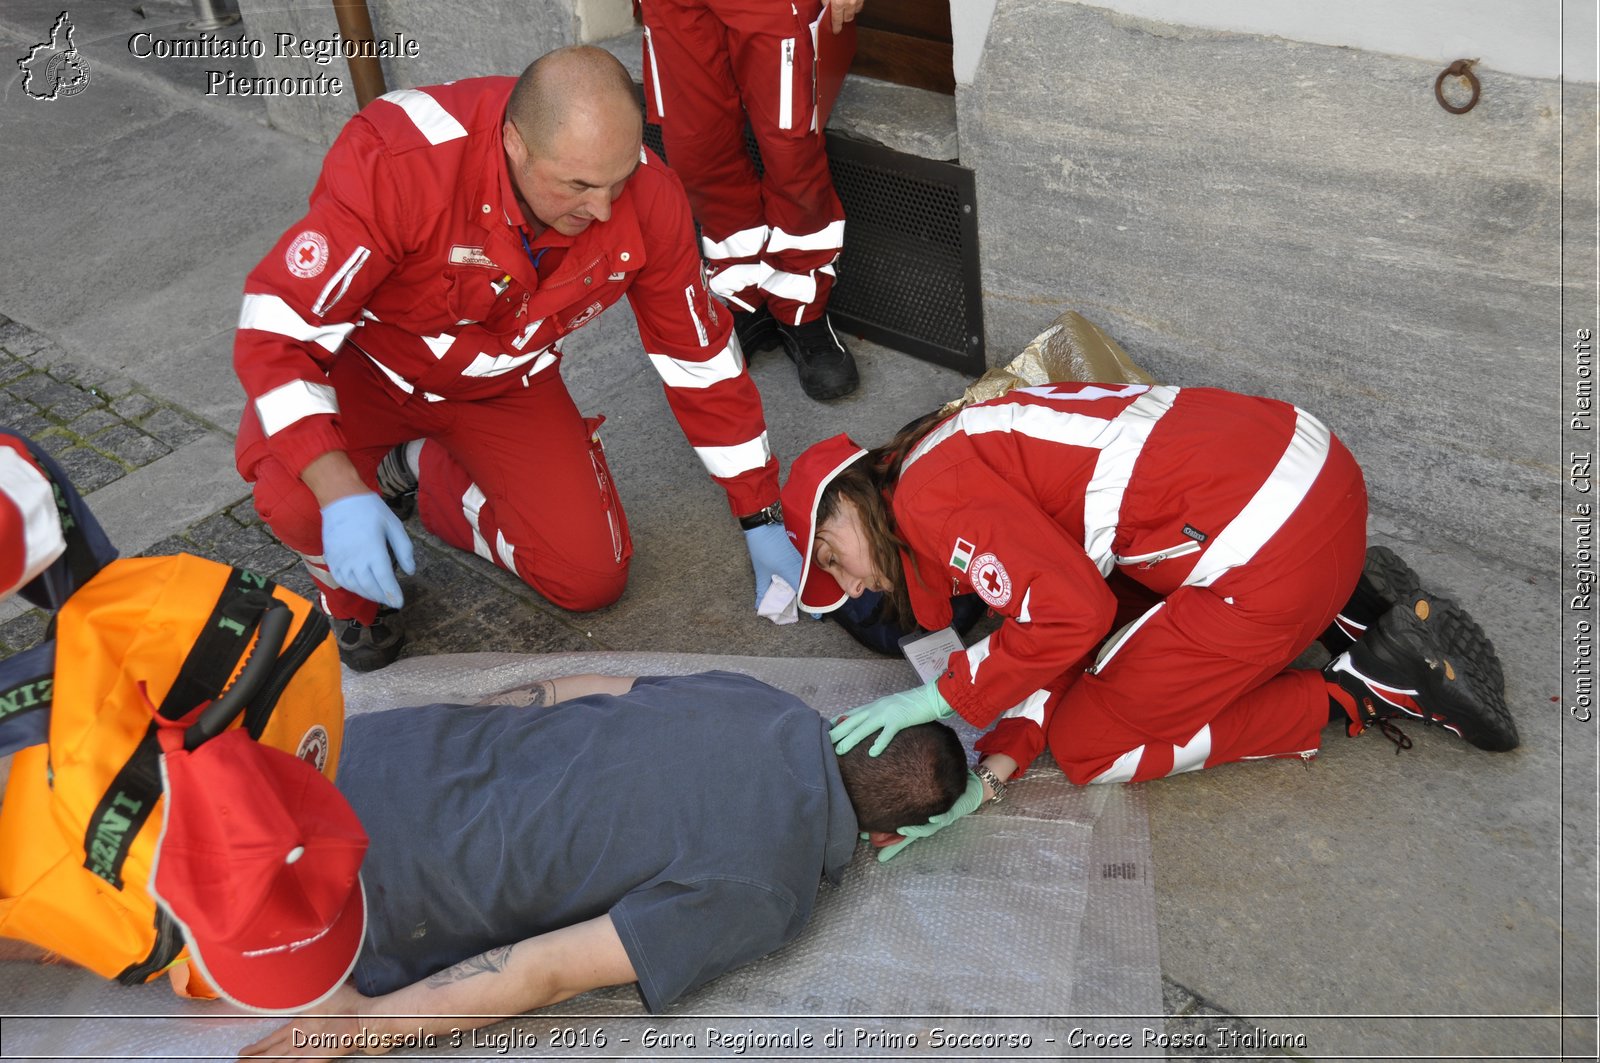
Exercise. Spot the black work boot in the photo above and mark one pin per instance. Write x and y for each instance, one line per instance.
(827, 371)
(397, 484)
(1387, 581)
(1401, 668)
(757, 331)
(369, 647)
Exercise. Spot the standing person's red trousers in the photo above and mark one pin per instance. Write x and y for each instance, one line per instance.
(708, 64)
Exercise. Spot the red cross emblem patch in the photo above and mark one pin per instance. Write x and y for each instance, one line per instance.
(307, 255)
(990, 580)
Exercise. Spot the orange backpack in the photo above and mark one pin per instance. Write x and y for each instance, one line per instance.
(190, 639)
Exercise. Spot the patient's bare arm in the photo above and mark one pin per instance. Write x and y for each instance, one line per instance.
(554, 691)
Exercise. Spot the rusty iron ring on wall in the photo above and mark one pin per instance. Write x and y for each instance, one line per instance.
(1461, 68)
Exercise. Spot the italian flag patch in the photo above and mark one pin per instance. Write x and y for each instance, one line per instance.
(961, 556)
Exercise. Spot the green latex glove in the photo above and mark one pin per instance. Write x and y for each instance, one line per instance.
(965, 805)
(890, 715)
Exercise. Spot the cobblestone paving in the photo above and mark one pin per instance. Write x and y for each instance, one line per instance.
(100, 427)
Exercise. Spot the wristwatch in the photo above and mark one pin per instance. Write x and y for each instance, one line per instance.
(993, 780)
(773, 514)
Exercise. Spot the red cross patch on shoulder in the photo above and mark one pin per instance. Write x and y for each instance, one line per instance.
(990, 580)
(307, 254)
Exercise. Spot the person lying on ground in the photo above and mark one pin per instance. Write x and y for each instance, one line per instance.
(658, 831)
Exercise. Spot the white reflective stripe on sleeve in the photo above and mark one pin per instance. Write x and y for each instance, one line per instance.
(288, 403)
(1029, 708)
(683, 373)
(1023, 616)
(506, 551)
(1036, 422)
(30, 491)
(1102, 496)
(339, 283)
(796, 287)
(746, 243)
(1274, 502)
(1122, 768)
(727, 462)
(269, 313)
(829, 238)
(1119, 439)
(977, 653)
(694, 315)
(471, 504)
(786, 86)
(431, 119)
(655, 73)
(730, 279)
(1193, 754)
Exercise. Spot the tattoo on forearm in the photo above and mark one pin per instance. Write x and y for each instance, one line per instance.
(541, 693)
(488, 963)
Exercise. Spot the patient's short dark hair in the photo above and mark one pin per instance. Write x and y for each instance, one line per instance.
(919, 775)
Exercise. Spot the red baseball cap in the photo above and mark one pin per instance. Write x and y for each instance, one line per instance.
(809, 476)
(259, 861)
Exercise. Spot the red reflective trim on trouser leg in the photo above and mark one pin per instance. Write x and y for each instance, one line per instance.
(543, 502)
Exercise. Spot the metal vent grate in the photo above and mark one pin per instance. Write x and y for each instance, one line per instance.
(908, 276)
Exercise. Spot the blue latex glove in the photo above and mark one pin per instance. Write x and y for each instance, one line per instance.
(890, 715)
(965, 805)
(772, 554)
(358, 532)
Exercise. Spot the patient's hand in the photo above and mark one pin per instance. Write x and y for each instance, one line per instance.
(333, 1028)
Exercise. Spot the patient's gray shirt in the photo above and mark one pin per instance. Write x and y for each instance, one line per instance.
(701, 811)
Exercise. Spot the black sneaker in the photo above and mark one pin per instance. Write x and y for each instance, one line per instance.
(1387, 581)
(1400, 668)
(827, 371)
(397, 484)
(757, 331)
(369, 647)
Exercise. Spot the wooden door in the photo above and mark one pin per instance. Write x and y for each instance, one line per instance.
(907, 42)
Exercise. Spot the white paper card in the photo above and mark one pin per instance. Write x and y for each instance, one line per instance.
(930, 653)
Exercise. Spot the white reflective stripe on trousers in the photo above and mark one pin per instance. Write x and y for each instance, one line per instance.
(1272, 505)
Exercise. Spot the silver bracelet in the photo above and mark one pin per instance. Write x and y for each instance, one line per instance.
(993, 780)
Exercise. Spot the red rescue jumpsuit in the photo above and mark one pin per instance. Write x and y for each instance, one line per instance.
(709, 64)
(410, 302)
(1244, 515)
(31, 537)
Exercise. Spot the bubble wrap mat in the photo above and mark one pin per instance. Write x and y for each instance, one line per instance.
(1027, 931)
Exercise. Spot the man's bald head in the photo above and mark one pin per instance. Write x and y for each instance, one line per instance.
(572, 138)
(580, 89)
